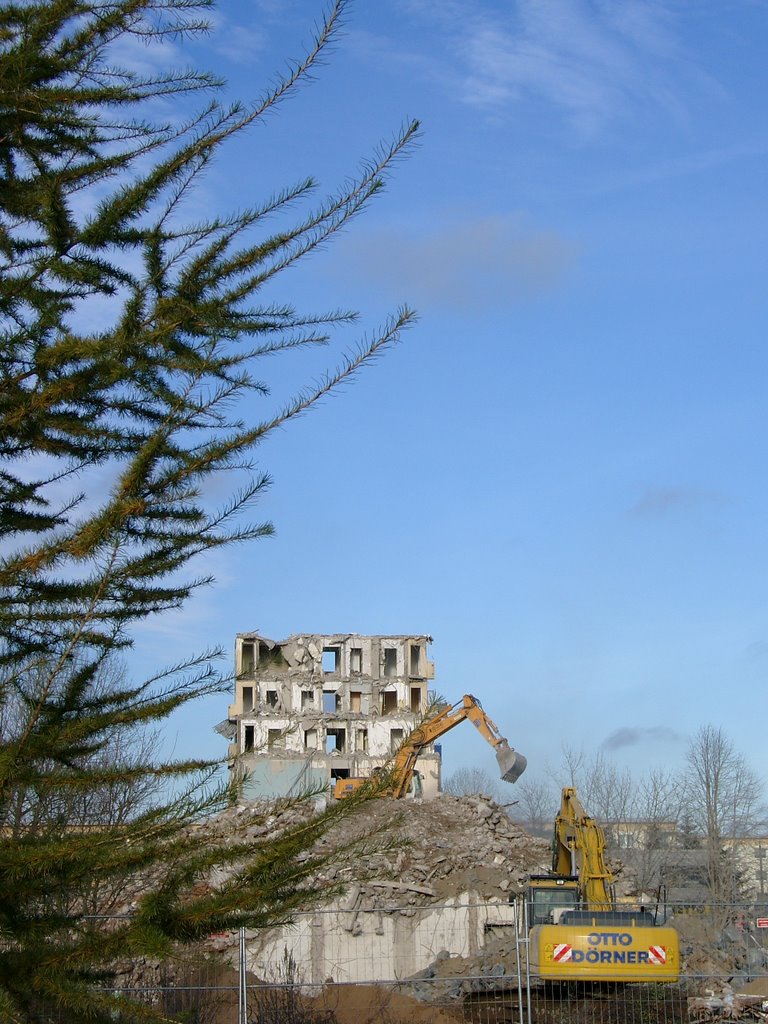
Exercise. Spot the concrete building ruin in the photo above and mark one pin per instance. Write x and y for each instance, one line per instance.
(315, 708)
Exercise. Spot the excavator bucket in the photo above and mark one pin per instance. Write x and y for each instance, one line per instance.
(511, 763)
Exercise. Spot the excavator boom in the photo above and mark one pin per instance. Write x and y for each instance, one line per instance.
(511, 763)
(579, 849)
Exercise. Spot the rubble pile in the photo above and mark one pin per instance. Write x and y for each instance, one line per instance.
(420, 852)
(727, 1005)
(439, 849)
(419, 857)
(493, 968)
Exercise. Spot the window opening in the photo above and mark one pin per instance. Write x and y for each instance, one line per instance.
(247, 698)
(248, 737)
(416, 699)
(272, 698)
(339, 773)
(361, 741)
(355, 701)
(388, 702)
(415, 659)
(331, 702)
(395, 739)
(331, 659)
(310, 739)
(247, 658)
(271, 658)
(335, 740)
(390, 661)
(273, 737)
(307, 699)
(356, 659)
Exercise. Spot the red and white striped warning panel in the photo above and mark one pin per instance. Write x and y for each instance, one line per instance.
(657, 954)
(562, 952)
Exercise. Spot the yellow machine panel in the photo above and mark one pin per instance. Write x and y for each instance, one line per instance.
(596, 952)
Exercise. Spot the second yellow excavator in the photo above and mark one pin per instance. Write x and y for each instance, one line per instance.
(577, 930)
(511, 763)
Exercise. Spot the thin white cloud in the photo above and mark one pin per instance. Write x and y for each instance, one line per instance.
(489, 261)
(146, 56)
(593, 60)
(685, 166)
(235, 41)
(575, 55)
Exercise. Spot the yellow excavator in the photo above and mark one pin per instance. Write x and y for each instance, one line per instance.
(511, 763)
(577, 932)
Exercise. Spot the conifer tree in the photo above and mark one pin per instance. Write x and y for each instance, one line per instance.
(130, 338)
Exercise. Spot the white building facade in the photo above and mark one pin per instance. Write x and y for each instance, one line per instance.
(315, 708)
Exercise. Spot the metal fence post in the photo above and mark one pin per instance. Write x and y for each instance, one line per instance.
(242, 1003)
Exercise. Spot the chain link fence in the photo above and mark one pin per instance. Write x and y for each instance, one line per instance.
(272, 978)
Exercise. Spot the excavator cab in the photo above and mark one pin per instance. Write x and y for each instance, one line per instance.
(548, 898)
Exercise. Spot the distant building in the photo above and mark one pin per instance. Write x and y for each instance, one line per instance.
(315, 708)
(657, 854)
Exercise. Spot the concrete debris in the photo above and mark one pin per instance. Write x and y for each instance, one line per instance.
(493, 967)
(430, 850)
(440, 848)
(727, 1005)
(436, 871)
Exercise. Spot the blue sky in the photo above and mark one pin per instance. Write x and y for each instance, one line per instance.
(560, 474)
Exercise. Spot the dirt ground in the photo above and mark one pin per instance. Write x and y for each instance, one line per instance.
(375, 1004)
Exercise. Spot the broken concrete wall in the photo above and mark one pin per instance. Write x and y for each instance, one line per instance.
(348, 945)
(282, 777)
(399, 664)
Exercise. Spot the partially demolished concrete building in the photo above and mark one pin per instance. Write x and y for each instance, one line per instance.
(312, 709)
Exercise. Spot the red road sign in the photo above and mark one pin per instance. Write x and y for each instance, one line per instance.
(762, 922)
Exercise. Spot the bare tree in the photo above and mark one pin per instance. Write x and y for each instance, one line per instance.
(659, 798)
(612, 792)
(722, 797)
(605, 790)
(114, 801)
(636, 815)
(537, 805)
(125, 792)
(657, 805)
(571, 769)
(471, 782)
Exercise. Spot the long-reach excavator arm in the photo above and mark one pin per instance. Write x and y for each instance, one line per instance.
(511, 763)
